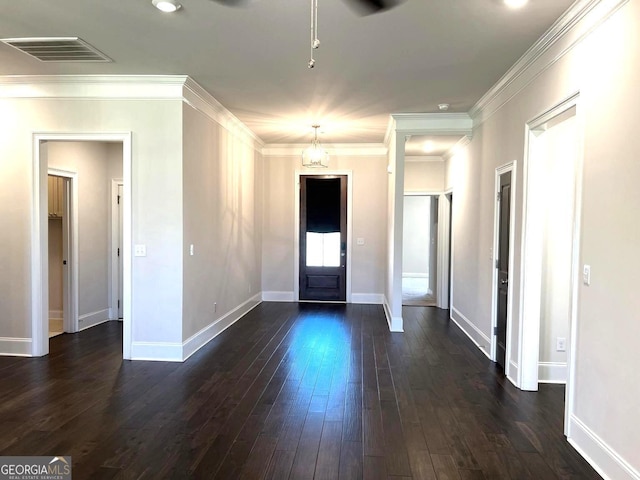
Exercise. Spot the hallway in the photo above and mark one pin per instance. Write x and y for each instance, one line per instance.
(290, 391)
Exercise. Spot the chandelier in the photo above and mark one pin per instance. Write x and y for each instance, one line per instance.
(315, 156)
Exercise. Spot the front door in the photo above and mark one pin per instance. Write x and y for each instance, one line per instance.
(323, 237)
(504, 216)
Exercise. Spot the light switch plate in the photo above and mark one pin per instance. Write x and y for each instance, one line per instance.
(586, 275)
(140, 250)
(360, 241)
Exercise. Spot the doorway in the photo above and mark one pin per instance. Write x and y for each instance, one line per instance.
(59, 211)
(420, 250)
(43, 146)
(551, 241)
(323, 238)
(503, 264)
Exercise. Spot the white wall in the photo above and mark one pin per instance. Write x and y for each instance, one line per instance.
(424, 176)
(416, 235)
(157, 202)
(222, 181)
(604, 67)
(369, 222)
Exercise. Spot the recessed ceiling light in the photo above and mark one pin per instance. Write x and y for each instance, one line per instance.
(168, 6)
(515, 3)
(443, 106)
(428, 146)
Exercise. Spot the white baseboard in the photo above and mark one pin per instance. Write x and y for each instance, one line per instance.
(367, 298)
(513, 373)
(204, 336)
(479, 338)
(415, 275)
(156, 351)
(277, 297)
(552, 372)
(92, 319)
(600, 456)
(56, 315)
(395, 323)
(15, 347)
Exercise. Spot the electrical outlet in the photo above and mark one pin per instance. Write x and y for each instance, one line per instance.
(215, 307)
(561, 344)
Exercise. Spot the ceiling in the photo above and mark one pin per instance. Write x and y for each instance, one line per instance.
(253, 59)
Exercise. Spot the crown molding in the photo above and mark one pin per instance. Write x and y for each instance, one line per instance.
(433, 123)
(423, 158)
(576, 23)
(336, 149)
(198, 98)
(147, 87)
(460, 144)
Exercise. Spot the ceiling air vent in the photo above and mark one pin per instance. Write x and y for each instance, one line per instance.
(62, 49)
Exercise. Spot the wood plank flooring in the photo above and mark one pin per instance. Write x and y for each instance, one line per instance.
(298, 391)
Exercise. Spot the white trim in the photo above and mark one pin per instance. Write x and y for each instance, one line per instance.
(460, 144)
(582, 18)
(39, 268)
(148, 87)
(414, 275)
(368, 298)
(199, 99)
(487, 341)
(278, 297)
(508, 167)
(296, 226)
(92, 319)
(432, 124)
(208, 333)
(15, 347)
(423, 193)
(423, 159)
(56, 314)
(114, 228)
(335, 149)
(395, 323)
(442, 267)
(512, 374)
(602, 457)
(552, 372)
(156, 351)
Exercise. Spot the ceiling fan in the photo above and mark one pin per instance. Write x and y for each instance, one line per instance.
(364, 7)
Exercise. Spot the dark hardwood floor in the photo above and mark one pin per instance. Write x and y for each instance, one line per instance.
(290, 391)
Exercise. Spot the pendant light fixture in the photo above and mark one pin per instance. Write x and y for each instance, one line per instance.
(315, 156)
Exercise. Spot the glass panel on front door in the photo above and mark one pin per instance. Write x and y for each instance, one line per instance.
(323, 249)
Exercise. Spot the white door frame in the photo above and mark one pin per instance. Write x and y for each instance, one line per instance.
(508, 167)
(530, 281)
(114, 240)
(39, 241)
(70, 251)
(296, 228)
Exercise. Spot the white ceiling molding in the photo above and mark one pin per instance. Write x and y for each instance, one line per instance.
(579, 21)
(460, 144)
(147, 87)
(337, 149)
(433, 123)
(423, 158)
(198, 98)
